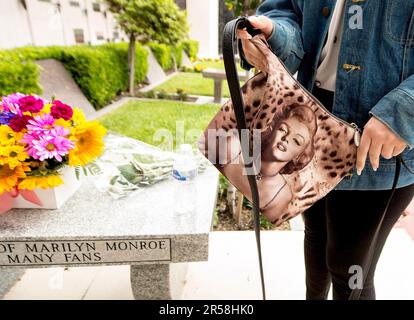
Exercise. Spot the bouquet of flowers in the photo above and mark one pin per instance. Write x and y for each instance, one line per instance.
(38, 138)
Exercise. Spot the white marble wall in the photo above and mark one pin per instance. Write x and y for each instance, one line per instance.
(203, 19)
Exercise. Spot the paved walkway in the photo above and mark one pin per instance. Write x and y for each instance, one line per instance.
(57, 82)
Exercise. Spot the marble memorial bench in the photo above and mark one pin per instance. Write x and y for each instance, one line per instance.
(219, 75)
(92, 229)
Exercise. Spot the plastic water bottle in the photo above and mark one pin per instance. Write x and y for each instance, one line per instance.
(185, 171)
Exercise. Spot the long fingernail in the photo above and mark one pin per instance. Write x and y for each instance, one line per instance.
(375, 168)
(359, 172)
(253, 18)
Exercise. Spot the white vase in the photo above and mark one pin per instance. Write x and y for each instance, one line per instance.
(54, 198)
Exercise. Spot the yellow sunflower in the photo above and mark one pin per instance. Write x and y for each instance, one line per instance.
(9, 177)
(13, 155)
(46, 109)
(78, 117)
(46, 182)
(8, 136)
(89, 143)
(63, 123)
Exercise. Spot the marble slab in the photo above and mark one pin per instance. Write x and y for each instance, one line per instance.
(91, 218)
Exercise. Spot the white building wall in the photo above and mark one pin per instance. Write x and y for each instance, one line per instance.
(43, 23)
(98, 25)
(203, 19)
(74, 18)
(46, 23)
(12, 13)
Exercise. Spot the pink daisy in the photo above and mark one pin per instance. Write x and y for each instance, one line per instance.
(10, 102)
(41, 124)
(48, 146)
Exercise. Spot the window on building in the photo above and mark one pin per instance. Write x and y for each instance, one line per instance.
(45, 1)
(116, 35)
(96, 7)
(74, 3)
(100, 36)
(79, 35)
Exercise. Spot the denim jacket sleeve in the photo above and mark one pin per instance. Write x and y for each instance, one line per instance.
(396, 110)
(286, 37)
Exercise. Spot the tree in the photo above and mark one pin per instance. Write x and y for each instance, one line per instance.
(149, 20)
(242, 7)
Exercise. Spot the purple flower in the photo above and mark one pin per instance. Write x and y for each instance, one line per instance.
(48, 146)
(41, 124)
(31, 104)
(5, 117)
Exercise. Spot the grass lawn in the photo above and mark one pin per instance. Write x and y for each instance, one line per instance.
(145, 120)
(216, 65)
(192, 83)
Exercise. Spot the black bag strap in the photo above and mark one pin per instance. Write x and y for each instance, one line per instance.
(356, 293)
(229, 41)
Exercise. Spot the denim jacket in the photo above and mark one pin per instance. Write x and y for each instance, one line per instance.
(375, 75)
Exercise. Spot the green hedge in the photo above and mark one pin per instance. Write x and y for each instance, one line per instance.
(100, 71)
(141, 59)
(178, 53)
(191, 48)
(38, 53)
(18, 76)
(163, 54)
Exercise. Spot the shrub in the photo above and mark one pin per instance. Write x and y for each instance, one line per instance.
(191, 48)
(178, 53)
(199, 68)
(163, 54)
(189, 68)
(182, 95)
(186, 68)
(96, 72)
(38, 53)
(101, 72)
(17, 75)
(141, 56)
(162, 94)
(149, 94)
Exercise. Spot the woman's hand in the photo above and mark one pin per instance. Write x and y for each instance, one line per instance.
(251, 53)
(377, 139)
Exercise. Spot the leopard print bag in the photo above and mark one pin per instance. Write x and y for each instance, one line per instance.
(278, 145)
(298, 150)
